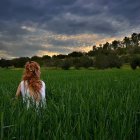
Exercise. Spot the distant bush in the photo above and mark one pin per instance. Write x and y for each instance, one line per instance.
(5, 63)
(135, 61)
(76, 63)
(20, 62)
(86, 62)
(125, 58)
(56, 62)
(114, 61)
(75, 54)
(103, 61)
(83, 61)
(66, 64)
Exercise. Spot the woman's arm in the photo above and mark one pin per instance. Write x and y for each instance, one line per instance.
(43, 93)
(18, 93)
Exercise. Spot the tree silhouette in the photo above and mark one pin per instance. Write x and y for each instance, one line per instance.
(134, 38)
(127, 41)
(75, 54)
(115, 44)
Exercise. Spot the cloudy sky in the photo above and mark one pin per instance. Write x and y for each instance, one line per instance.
(39, 27)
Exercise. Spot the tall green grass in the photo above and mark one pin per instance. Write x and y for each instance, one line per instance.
(81, 105)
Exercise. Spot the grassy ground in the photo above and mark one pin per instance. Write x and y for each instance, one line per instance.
(81, 104)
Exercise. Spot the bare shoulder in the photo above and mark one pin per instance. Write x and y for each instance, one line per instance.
(43, 83)
(22, 82)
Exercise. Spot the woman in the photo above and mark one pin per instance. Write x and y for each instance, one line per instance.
(31, 88)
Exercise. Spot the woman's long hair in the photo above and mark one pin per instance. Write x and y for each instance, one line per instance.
(32, 76)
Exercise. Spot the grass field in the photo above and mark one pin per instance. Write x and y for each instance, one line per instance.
(81, 105)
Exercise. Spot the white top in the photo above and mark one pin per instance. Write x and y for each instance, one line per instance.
(26, 95)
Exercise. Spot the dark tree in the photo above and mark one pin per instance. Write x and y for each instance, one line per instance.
(115, 44)
(106, 46)
(103, 61)
(134, 38)
(59, 56)
(66, 64)
(76, 63)
(5, 63)
(86, 62)
(127, 42)
(92, 53)
(135, 62)
(35, 58)
(94, 48)
(46, 57)
(75, 54)
(38, 60)
(20, 62)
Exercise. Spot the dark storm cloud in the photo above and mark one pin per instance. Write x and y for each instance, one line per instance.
(31, 9)
(127, 8)
(68, 17)
(51, 15)
(11, 31)
(75, 26)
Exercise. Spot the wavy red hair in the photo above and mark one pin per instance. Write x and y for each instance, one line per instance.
(32, 76)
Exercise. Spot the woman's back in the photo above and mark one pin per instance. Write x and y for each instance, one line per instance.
(26, 95)
(32, 88)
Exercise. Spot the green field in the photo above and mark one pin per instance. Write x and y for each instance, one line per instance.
(81, 105)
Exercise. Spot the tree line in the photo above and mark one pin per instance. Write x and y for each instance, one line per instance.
(107, 55)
